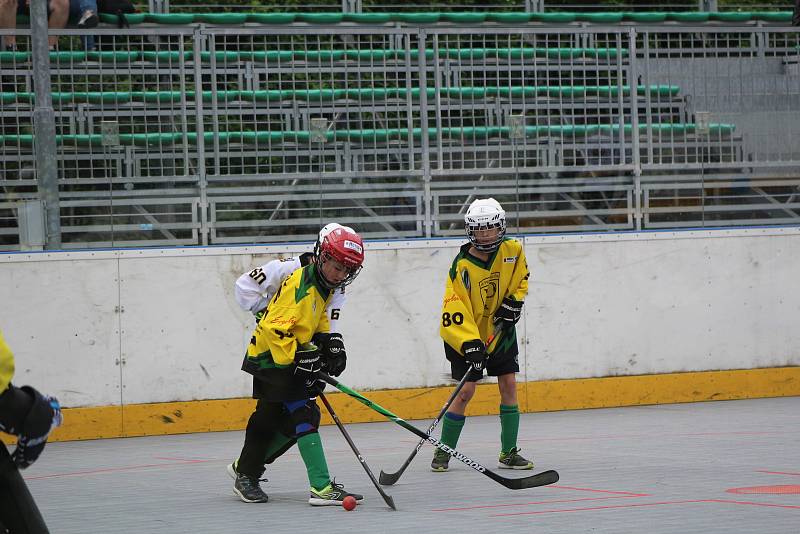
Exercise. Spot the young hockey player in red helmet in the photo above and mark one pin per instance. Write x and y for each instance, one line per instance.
(283, 362)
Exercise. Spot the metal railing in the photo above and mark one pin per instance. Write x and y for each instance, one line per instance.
(189, 135)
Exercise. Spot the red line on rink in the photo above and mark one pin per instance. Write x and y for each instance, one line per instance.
(555, 501)
(627, 493)
(748, 503)
(638, 505)
(777, 473)
(117, 469)
(597, 508)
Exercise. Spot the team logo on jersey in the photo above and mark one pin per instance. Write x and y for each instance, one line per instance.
(465, 279)
(352, 245)
(314, 306)
(510, 260)
(489, 287)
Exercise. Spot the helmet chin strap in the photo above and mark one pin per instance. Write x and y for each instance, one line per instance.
(324, 282)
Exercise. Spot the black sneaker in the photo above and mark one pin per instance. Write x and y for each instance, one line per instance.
(441, 461)
(331, 495)
(89, 19)
(513, 460)
(247, 488)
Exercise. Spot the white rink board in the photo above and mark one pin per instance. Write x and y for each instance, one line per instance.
(599, 305)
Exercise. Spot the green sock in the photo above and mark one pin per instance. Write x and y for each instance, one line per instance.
(313, 455)
(509, 427)
(451, 428)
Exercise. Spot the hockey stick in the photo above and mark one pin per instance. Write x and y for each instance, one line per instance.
(387, 498)
(18, 510)
(539, 479)
(387, 479)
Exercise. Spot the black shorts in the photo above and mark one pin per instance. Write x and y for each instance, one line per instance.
(504, 360)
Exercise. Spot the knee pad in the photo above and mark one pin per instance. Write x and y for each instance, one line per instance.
(305, 415)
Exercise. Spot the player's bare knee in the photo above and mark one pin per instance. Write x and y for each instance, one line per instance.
(466, 395)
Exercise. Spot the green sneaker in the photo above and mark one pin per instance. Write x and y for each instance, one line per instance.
(331, 495)
(513, 460)
(441, 461)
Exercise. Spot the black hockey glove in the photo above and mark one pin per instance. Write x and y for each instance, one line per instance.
(334, 357)
(307, 364)
(508, 313)
(34, 427)
(475, 353)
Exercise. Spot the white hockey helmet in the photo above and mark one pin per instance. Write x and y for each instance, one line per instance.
(485, 214)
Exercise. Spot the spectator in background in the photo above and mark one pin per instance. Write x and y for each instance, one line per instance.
(57, 15)
(8, 19)
(83, 13)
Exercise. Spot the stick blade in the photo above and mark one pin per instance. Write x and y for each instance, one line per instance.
(390, 501)
(534, 481)
(388, 479)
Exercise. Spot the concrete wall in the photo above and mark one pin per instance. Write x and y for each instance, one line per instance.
(144, 326)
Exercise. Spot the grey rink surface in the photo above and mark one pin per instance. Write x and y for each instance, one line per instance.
(671, 468)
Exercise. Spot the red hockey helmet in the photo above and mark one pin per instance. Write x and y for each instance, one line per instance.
(339, 257)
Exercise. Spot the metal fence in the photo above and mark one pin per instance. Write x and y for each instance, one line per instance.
(359, 6)
(196, 136)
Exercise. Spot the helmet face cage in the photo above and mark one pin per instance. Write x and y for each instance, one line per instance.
(473, 227)
(345, 248)
(485, 214)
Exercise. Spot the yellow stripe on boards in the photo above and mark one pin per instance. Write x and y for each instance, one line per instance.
(425, 403)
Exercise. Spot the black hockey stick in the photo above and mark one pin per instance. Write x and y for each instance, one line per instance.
(387, 498)
(387, 479)
(18, 510)
(539, 479)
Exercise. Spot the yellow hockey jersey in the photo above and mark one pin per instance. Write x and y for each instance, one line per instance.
(6, 365)
(295, 313)
(475, 289)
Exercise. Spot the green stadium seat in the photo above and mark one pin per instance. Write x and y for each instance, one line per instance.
(271, 18)
(473, 133)
(644, 17)
(731, 16)
(273, 56)
(175, 19)
(465, 17)
(687, 16)
(599, 18)
(319, 18)
(416, 18)
(327, 95)
(230, 19)
(553, 18)
(368, 18)
(508, 18)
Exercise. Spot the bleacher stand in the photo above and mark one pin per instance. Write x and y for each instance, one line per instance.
(215, 128)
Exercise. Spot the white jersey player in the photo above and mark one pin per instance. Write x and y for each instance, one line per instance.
(256, 288)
